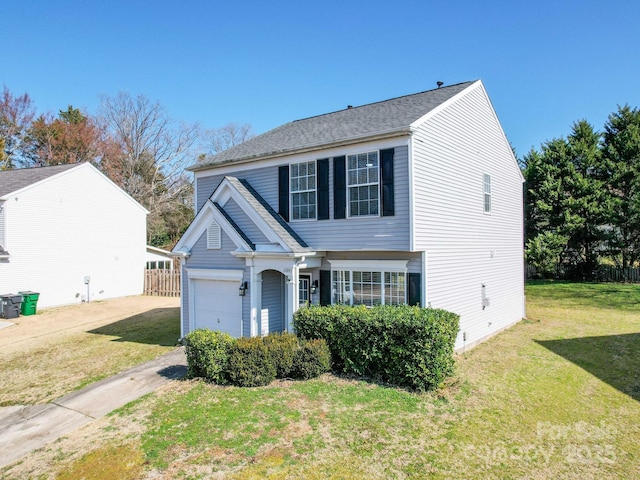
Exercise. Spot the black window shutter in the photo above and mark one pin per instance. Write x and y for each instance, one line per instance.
(283, 192)
(386, 174)
(339, 187)
(414, 289)
(325, 287)
(323, 189)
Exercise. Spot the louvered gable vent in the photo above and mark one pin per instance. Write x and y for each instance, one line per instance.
(213, 237)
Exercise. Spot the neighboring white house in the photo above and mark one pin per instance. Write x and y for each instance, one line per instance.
(158, 259)
(71, 234)
(417, 200)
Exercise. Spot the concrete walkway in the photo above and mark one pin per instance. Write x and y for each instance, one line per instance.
(27, 428)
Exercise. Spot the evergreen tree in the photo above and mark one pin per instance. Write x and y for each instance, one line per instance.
(621, 173)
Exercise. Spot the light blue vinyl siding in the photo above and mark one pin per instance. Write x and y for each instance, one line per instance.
(264, 180)
(244, 222)
(273, 299)
(365, 233)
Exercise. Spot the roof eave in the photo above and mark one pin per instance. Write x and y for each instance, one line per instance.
(310, 148)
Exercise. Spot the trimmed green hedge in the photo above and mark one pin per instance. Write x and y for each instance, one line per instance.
(402, 345)
(256, 361)
(282, 348)
(208, 354)
(311, 359)
(250, 363)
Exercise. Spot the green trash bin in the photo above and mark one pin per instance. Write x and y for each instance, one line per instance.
(29, 302)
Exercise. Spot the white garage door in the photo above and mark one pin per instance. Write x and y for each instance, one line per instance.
(217, 306)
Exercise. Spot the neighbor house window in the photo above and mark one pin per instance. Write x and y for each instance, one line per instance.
(363, 184)
(303, 191)
(353, 287)
(487, 193)
(159, 265)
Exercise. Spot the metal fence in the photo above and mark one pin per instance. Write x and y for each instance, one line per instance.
(162, 283)
(604, 273)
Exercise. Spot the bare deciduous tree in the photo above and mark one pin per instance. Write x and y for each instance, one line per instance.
(16, 115)
(153, 152)
(219, 139)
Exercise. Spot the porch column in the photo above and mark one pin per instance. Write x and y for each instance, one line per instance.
(256, 301)
(291, 297)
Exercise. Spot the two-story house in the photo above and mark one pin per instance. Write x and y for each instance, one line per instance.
(417, 200)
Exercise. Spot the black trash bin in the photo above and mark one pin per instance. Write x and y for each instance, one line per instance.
(10, 305)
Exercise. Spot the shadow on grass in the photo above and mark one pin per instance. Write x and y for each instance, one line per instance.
(160, 326)
(614, 359)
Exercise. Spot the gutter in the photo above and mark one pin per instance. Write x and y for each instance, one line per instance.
(311, 148)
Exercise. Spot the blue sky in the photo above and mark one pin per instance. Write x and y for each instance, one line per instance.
(545, 64)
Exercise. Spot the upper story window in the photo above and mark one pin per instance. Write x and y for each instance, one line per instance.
(303, 191)
(363, 184)
(487, 192)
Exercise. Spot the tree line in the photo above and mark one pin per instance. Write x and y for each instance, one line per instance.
(131, 139)
(582, 198)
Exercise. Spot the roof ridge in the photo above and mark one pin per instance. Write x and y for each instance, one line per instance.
(384, 118)
(381, 101)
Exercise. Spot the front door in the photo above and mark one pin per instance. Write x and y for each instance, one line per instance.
(303, 290)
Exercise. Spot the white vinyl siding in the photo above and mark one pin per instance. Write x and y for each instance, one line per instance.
(303, 191)
(2, 240)
(465, 248)
(487, 192)
(92, 228)
(363, 184)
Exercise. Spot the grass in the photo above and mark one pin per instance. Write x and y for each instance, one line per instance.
(556, 396)
(40, 374)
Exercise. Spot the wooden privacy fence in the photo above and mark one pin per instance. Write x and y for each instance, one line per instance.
(162, 283)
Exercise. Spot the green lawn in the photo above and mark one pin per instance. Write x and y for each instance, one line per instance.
(556, 396)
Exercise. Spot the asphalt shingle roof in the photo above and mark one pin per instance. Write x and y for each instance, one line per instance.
(12, 180)
(354, 123)
(259, 204)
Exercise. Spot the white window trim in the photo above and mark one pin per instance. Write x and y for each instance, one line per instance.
(314, 190)
(349, 186)
(378, 266)
(485, 193)
(370, 265)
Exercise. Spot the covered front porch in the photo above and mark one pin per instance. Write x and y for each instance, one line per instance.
(275, 289)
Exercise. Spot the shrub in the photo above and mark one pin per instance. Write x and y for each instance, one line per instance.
(250, 363)
(311, 360)
(403, 345)
(282, 348)
(208, 354)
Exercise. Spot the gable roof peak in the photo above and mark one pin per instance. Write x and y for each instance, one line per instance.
(393, 99)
